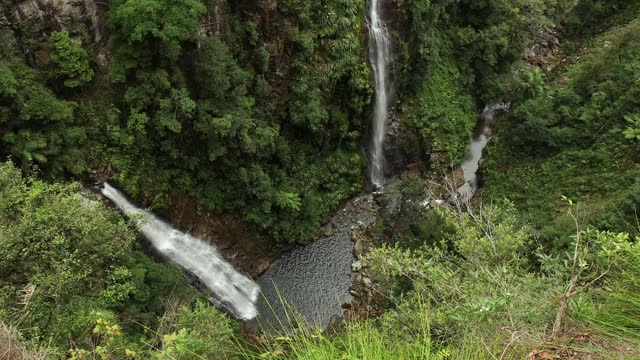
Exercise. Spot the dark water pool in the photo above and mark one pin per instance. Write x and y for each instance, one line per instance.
(312, 282)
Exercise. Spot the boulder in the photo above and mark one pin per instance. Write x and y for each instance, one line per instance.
(357, 266)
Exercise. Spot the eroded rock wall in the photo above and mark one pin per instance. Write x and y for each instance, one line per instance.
(27, 24)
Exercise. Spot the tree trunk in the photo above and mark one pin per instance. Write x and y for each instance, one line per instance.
(560, 315)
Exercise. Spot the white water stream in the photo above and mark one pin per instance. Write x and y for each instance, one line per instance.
(471, 161)
(380, 59)
(229, 288)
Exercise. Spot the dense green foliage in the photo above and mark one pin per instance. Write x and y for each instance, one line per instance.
(595, 16)
(369, 340)
(159, 26)
(71, 61)
(574, 135)
(457, 55)
(491, 282)
(72, 269)
(195, 114)
(259, 109)
(267, 127)
(207, 127)
(36, 125)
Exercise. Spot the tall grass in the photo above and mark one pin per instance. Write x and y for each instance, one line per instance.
(12, 348)
(364, 340)
(373, 339)
(615, 310)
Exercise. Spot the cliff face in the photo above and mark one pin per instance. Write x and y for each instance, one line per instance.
(27, 24)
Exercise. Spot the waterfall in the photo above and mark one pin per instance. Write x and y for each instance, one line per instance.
(471, 161)
(229, 288)
(379, 57)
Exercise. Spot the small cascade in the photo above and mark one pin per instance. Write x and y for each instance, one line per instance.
(480, 140)
(228, 288)
(380, 59)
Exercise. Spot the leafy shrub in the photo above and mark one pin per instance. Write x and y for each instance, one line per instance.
(37, 126)
(71, 61)
(485, 275)
(162, 24)
(198, 332)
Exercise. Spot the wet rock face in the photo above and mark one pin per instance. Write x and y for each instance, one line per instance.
(29, 23)
(399, 149)
(243, 248)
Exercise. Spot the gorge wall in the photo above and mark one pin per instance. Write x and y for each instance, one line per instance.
(28, 23)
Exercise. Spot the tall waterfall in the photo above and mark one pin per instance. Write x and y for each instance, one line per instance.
(379, 57)
(229, 288)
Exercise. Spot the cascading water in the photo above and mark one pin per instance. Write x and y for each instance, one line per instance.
(229, 288)
(471, 161)
(379, 57)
